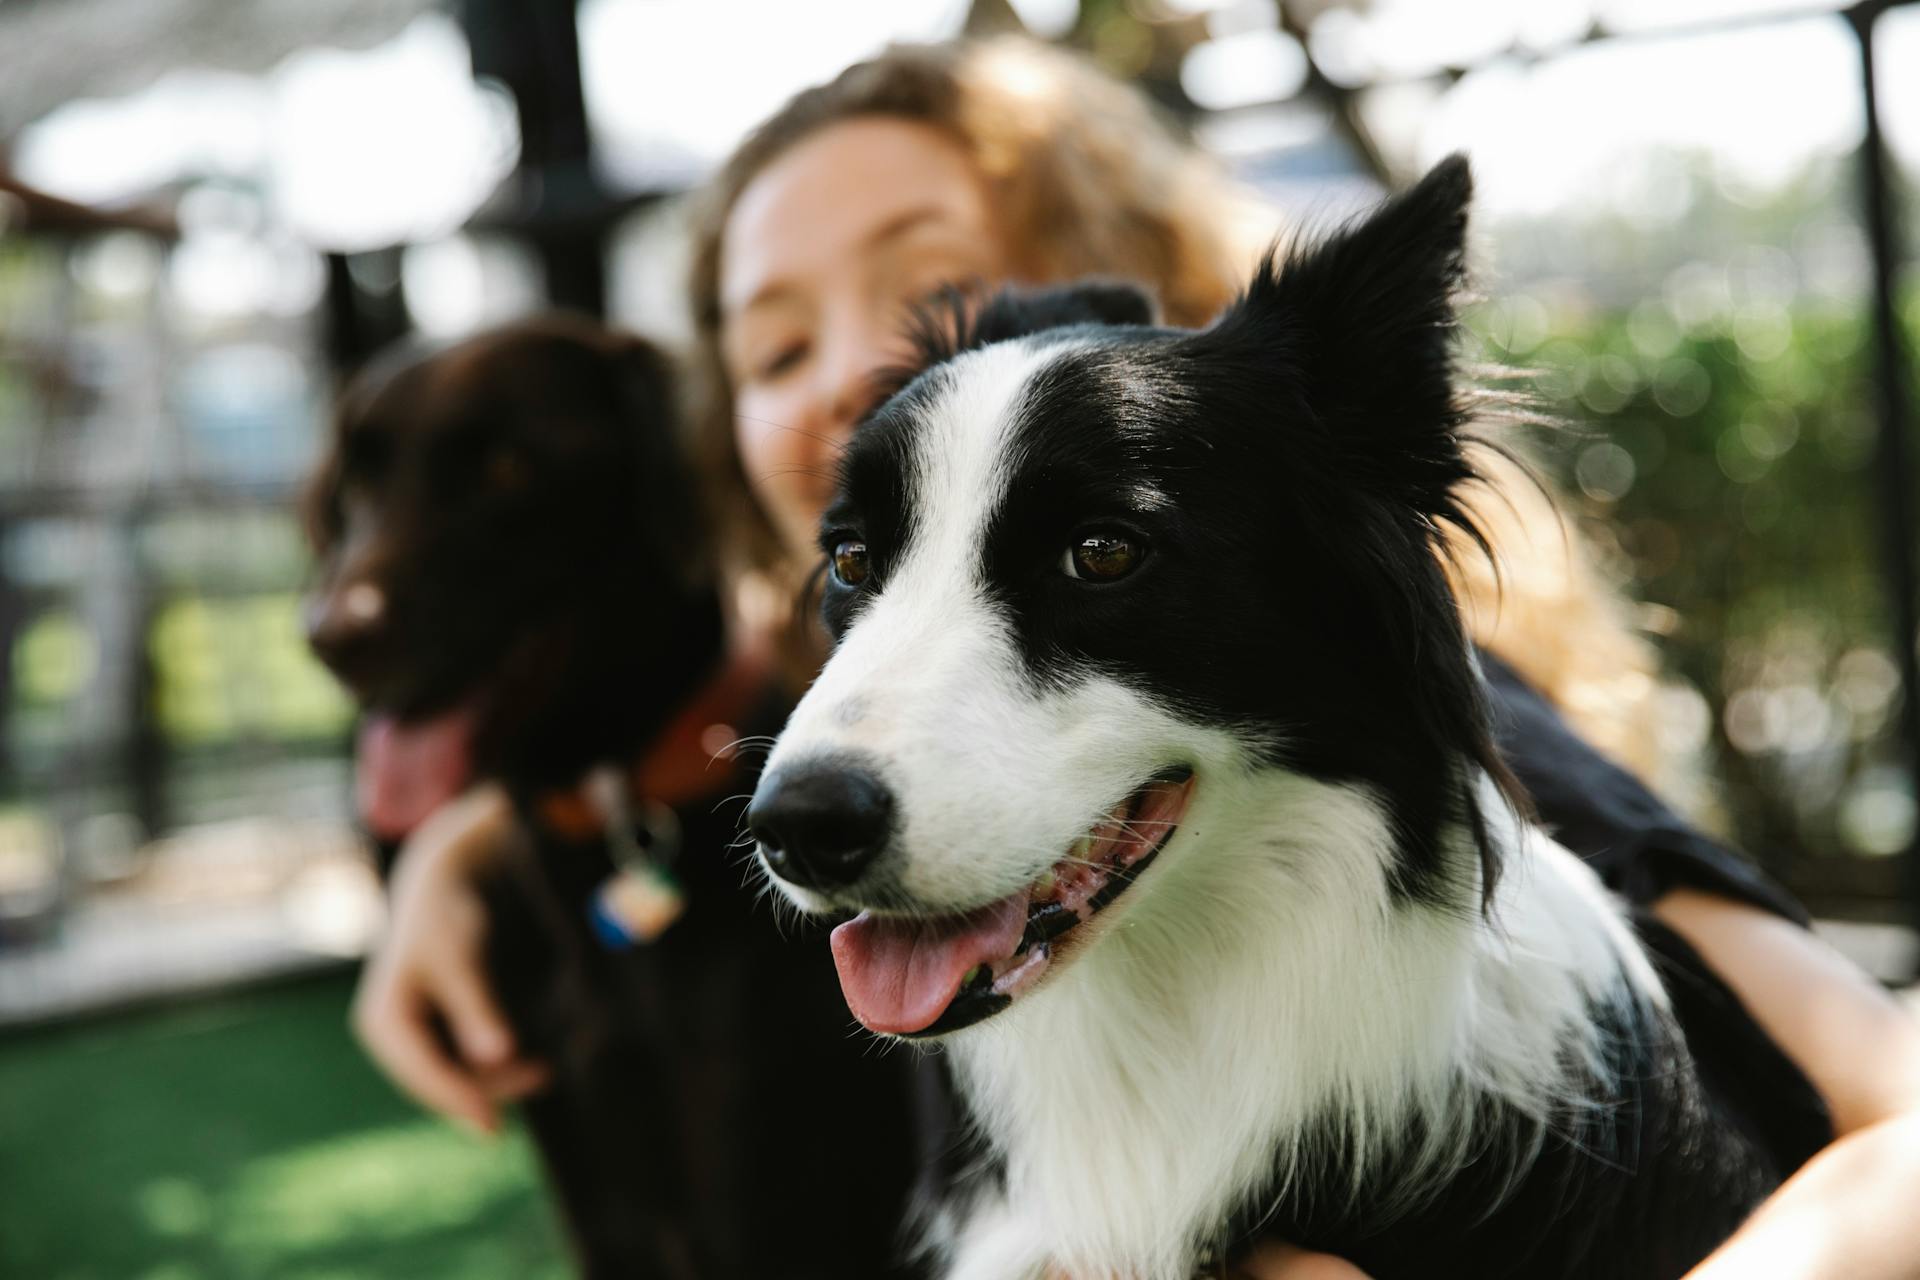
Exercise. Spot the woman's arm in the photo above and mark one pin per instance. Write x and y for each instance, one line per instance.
(1850, 1211)
(425, 1010)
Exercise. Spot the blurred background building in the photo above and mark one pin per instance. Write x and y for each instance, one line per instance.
(1698, 227)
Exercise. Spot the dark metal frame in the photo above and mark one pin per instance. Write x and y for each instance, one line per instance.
(1894, 445)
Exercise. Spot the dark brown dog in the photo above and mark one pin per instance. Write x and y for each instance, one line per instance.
(512, 576)
(513, 582)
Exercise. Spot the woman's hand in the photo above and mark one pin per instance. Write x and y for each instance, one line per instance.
(425, 1010)
(1848, 1213)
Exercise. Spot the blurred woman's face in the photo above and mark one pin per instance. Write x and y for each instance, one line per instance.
(820, 258)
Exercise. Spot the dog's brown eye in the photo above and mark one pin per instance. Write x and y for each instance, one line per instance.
(850, 562)
(1102, 556)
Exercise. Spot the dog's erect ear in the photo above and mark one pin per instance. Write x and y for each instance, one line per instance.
(1364, 321)
(1354, 336)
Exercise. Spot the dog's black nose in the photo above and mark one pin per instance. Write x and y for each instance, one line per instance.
(821, 824)
(346, 624)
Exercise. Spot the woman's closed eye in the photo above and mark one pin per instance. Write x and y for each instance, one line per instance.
(783, 360)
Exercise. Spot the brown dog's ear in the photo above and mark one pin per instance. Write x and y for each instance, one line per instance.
(319, 507)
(671, 510)
(647, 384)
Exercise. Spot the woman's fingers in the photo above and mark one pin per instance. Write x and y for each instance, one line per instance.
(399, 1031)
(516, 1080)
(426, 1009)
(466, 1000)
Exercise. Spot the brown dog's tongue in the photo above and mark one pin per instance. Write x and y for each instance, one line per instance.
(406, 771)
(899, 976)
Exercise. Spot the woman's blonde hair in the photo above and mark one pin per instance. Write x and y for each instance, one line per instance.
(1089, 180)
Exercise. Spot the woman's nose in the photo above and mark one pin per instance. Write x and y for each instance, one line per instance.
(848, 379)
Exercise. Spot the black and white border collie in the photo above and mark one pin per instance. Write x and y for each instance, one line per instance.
(1153, 765)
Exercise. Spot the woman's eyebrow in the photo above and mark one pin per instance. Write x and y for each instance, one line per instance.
(901, 223)
(768, 294)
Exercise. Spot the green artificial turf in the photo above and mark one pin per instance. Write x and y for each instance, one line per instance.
(248, 1137)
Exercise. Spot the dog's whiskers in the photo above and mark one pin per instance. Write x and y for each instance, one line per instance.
(837, 446)
(749, 740)
(741, 749)
(744, 797)
(812, 473)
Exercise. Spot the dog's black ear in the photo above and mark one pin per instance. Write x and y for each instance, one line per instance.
(1363, 323)
(952, 321)
(1353, 339)
(1015, 313)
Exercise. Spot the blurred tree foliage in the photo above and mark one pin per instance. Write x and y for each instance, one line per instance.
(1719, 448)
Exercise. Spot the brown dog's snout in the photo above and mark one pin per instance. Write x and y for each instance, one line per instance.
(345, 619)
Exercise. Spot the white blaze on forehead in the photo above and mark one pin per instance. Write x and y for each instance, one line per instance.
(931, 638)
(961, 459)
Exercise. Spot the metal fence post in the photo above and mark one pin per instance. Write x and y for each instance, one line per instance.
(1894, 455)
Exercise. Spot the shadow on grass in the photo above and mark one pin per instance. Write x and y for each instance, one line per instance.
(248, 1137)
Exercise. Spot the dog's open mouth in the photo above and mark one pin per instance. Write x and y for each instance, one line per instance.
(404, 769)
(926, 976)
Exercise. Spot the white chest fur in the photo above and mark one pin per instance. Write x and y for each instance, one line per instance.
(1264, 980)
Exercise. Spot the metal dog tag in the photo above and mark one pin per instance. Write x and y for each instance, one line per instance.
(641, 900)
(633, 908)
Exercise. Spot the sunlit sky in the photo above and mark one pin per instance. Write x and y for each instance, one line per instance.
(357, 149)
(685, 79)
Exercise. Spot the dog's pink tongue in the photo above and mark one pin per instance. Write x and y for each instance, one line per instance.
(899, 976)
(406, 771)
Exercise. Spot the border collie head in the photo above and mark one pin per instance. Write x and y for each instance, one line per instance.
(1089, 576)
